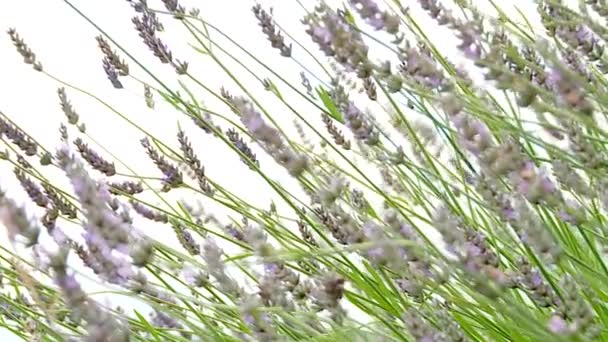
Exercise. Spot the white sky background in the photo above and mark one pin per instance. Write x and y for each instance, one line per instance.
(64, 43)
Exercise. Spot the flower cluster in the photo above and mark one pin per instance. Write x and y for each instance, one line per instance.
(269, 138)
(106, 235)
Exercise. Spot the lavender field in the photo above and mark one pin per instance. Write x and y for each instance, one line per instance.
(304, 170)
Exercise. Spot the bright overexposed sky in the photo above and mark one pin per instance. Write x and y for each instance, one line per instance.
(65, 44)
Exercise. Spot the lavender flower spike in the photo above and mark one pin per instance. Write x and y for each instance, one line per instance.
(268, 137)
(106, 234)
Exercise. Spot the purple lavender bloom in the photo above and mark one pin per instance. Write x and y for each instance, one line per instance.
(96, 161)
(268, 137)
(106, 234)
(110, 71)
(337, 39)
(535, 185)
(407, 230)
(419, 328)
(271, 267)
(572, 212)
(509, 213)
(471, 49)
(195, 276)
(269, 28)
(554, 77)
(172, 177)
(248, 157)
(558, 325)
(68, 283)
(474, 135)
(18, 137)
(110, 264)
(212, 254)
(583, 34)
(32, 189)
(29, 57)
(531, 230)
(16, 221)
(361, 127)
(568, 90)
(59, 236)
(368, 9)
(321, 35)
(101, 325)
(423, 69)
(174, 7)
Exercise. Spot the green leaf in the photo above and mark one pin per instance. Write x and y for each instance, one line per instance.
(330, 105)
(348, 16)
(148, 327)
(273, 88)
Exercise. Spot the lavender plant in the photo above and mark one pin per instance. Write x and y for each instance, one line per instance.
(418, 190)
